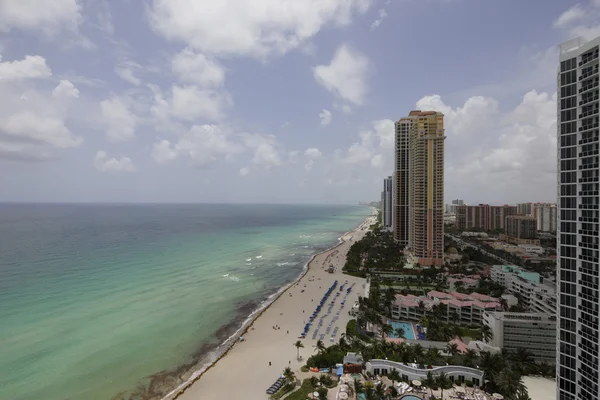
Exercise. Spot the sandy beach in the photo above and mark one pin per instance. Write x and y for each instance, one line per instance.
(252, 365)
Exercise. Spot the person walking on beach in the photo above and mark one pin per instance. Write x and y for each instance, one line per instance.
(269, 363)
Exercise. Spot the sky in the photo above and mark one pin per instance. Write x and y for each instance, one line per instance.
(276, 101)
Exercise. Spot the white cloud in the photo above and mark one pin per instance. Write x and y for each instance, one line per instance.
(120, 121)
(29, 68)
(249, 27)
(381, 16)
(309, 165)
(65, 89)
(313, 152)
(325, 116)
(38, 128)
(193, 67)
(162, 152)
(204, 144)
(471, 119)
(244, 171)
(515, 150)
(573, 14)
(126, 70)
(265, 149)
(192, 103)
(345, 76)
(49, 16)
(104, 163)
(580, 20)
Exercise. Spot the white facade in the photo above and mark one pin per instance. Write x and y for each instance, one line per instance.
(537, 297)
(578, 358)
(535, 332)
(533, 249)
(456, 373)
(545, 215)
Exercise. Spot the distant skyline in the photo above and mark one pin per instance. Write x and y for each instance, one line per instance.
(266, 101)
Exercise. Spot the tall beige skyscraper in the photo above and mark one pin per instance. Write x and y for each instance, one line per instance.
(419, 185)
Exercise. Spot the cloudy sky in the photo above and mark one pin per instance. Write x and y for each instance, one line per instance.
(279, 101)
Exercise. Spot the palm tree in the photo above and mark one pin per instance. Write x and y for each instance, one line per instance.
(432, 355)
(452, 349)
(322, 392)
(418, 351)
(324, 378)
(524, 359)
(394, 376)
(399, 332)
(288, 374)
(429, 381)
(486, 333)
(298, 345)
(545, 369)
(521, 396)
(320, 346)
(358, 386)
(379, 391)
(443, 382)
(469, 357)
(491, 365)
(510, 383)
(503, 304)
(386, 329)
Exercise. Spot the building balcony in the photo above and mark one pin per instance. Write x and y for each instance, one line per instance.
(588, 87)
(588, 100)
(588, 127)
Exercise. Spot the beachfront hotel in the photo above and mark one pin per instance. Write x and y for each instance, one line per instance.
(465, 309)
(419, 186)
(577, 360)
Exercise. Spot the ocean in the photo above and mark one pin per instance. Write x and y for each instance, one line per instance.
(127, 301)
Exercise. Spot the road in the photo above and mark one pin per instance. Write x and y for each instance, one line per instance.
(487, 253)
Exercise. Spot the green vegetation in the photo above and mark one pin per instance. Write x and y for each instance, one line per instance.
(302, 393)
(376, 250)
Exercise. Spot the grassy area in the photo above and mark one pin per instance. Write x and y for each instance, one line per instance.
(283, 391)
(472, 333)
(302, 393)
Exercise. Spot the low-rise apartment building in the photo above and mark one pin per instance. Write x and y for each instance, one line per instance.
(535, 332)
(537, 295)
(466, 309)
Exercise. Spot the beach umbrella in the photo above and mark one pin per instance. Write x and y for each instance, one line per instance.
(497, 396)
(315, 394)
(416, 383)
(343, 396)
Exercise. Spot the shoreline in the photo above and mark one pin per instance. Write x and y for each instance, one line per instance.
(253, 317)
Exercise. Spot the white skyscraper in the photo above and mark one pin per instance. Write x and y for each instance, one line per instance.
(577, 362)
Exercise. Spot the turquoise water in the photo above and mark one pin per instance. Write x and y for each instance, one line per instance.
(409, 333)
(124, 302)
(410, 397)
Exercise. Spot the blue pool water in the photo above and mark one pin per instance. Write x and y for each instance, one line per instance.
(409, 332)
(410, 397)
(362, 396)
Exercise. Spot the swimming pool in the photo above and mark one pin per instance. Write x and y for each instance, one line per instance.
(409, 332)
(410, 397)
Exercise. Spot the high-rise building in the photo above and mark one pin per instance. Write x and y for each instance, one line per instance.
(545, 215)
(526, 208)
(577, 359)
(483, 216)
(386, 203)
(521, 229)
(401, 179)
(419, 202)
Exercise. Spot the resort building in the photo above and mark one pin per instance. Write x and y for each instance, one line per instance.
(535, 332)
(386, 203)
(537, 294)
(460, 280)
(466, 309)
(578, 360)
(456, 373)
(419, 179)
(483, 216)
(520, 229)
